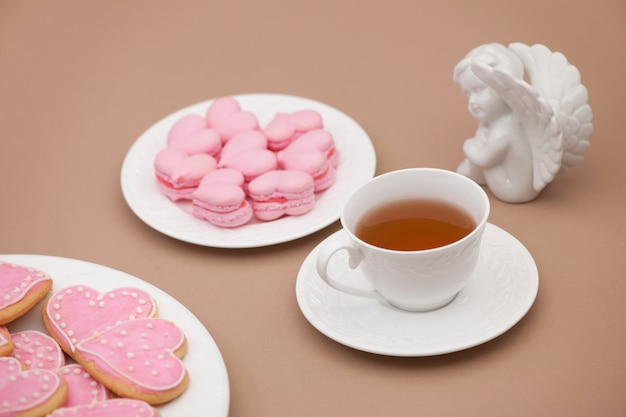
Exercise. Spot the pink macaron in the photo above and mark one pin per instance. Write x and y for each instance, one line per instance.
(281, 192)
(226, 117)
(191, 134)
(313, 152)
(247, 153)
(221, 200)
(179, 174)
(284, 128)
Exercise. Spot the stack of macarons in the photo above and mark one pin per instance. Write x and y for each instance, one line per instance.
(232, 169)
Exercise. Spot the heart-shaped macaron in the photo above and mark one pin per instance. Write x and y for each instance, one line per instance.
(142, 356)
(21, 287)
(247, 153)
(221, 200)
(284, 128)
(78, 312)
(36, 350)
(25, 391)
(191, 134)
(185, 126)
(118, 407)
(278, 193)
(179, 174)
(228, 119)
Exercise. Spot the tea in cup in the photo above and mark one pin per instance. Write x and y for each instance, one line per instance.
(414, 234)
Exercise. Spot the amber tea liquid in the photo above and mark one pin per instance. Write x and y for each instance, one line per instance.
(414, 224)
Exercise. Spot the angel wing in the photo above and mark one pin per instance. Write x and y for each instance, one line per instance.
(534, 112)
(559, 83)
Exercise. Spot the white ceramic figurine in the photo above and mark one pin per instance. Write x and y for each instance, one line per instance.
(534, 118)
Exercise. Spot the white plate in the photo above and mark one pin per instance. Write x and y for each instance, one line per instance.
(208, 388)
(499, 294)
(357, 165)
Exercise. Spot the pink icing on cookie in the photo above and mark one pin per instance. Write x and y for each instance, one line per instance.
(16, 281)
(83, 388)
(179, 174)
(36, 350)
(226, 117)
(279, 193)
(284, 128)
(221, 200)
(247, 153)
(118, 407)
(138, 352)
(78, 312)
(24, 390)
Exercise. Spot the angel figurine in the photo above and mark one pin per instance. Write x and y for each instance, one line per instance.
(533, 113)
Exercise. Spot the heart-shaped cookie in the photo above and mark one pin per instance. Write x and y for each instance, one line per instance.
(118, 407)
(31, 392)
(226, 117)
(36, 350)
(138, 359)
(21, 287)
(78, 312)
(83, 388)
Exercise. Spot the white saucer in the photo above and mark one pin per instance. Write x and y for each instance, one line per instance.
(499, 294)
(357, 165)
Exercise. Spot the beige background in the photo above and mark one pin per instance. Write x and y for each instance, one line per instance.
(81, 80)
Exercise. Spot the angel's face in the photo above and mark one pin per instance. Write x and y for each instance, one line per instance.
(483, 103)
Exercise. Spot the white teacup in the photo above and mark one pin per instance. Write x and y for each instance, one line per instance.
(412, 280)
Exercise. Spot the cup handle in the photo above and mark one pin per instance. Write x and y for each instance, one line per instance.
(327, 251)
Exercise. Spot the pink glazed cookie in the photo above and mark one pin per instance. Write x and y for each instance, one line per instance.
(138, 359)
(29, 393)
(21, 287)
(77, 312)
(221, 200)
(179, 174)
(191, 134)
(278, 193)
(116, 407)
(36, 350)
(83, 388)
(226, 117)
(284, 128)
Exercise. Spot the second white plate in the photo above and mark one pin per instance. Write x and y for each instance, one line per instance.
(208, 388)
(357, 165)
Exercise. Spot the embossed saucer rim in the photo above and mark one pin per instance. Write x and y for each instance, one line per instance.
(357, 164)
(500, 293)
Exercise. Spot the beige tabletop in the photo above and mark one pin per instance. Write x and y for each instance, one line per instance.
(81, 81)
